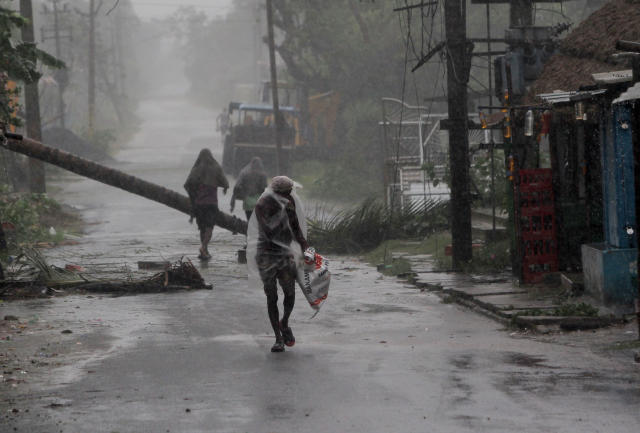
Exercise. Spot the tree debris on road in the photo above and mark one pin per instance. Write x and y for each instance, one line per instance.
(33, 277)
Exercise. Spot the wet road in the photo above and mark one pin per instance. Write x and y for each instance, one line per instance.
(380, 357)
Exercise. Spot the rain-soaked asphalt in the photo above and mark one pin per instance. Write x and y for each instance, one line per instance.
(380, 357)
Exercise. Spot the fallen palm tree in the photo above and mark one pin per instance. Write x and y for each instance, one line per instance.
(110, 176)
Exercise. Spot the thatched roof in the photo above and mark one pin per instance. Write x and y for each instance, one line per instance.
(587, 49)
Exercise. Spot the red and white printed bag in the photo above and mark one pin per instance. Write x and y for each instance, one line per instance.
(314, 278)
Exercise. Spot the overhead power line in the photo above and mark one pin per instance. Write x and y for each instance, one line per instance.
(180, 4)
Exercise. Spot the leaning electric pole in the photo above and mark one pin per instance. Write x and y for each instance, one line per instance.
(458, 68)
(32, 106)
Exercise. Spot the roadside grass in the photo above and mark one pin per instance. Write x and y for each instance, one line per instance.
(334, 180)
(433, 245)
(581, 309)
(487, 259)
(374, 229)
(33, 216)
(625, 345)
(364, 227)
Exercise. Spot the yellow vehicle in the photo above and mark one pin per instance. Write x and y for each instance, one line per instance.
(252, 133)
(252, 127)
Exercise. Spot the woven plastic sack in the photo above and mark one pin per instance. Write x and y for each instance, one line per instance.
(314, 278)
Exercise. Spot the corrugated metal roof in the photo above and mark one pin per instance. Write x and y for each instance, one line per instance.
(264, 107)
(613, 77)
(566, 97)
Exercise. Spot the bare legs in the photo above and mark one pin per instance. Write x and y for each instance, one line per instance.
(286, 277)
(205, 238)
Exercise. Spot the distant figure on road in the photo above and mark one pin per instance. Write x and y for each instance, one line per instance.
(251, 183)
(222, 122)
(276, 244)
(202, 185)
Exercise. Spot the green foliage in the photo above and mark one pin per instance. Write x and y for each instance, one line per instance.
(336, 181)
(18, 61)
(352, 170)
(367, 225)
(430, 172)
(355, 49)
(564, 310)
(398, 266)
(218, 53)
(25, 212)
(101, 138)
(432, 245)
(480, 172)
(581, 309)
(490, 258)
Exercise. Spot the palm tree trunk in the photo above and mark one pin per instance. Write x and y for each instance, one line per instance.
(109, 176)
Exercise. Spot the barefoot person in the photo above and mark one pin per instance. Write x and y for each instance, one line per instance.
(276, 238)
(202, 185)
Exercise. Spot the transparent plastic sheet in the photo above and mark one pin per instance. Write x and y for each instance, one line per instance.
(280, 218)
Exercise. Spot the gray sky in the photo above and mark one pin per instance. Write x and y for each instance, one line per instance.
(148, 9)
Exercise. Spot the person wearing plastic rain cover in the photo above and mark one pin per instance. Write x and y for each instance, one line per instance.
(203, 182)
(276, 242)
(251, 183)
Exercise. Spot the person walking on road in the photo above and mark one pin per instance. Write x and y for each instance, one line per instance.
(251, 183)
(222, 122)
(276, 238)
(202, 185)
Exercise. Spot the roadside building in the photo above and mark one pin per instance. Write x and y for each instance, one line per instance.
(593, 135)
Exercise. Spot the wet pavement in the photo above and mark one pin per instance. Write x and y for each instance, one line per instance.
(380, 357)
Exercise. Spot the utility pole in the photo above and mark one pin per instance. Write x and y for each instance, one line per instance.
(458, 69)
(61, 75)
(274, 88)
(93, 12)
(491, 143)
(92, 67)
(119, 56)
(32, 106)
(257, 44)
(520, 13)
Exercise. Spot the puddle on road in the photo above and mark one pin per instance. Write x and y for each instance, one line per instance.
(524, 360)
(550, 384)
(463, 362)
(236, 338)
(381, 308)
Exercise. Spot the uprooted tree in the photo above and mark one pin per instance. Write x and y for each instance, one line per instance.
(109, 176)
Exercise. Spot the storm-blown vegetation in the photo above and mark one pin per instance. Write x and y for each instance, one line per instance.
(367, 225)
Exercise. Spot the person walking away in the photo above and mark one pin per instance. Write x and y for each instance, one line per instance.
(202, 185)
(251, 183)
(276, 242)
(222, 122)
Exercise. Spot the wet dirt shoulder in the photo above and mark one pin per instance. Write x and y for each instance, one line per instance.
(46, 344)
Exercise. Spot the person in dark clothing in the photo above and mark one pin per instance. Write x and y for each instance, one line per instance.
(251, 183)
(279, 235)
(202, 185)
